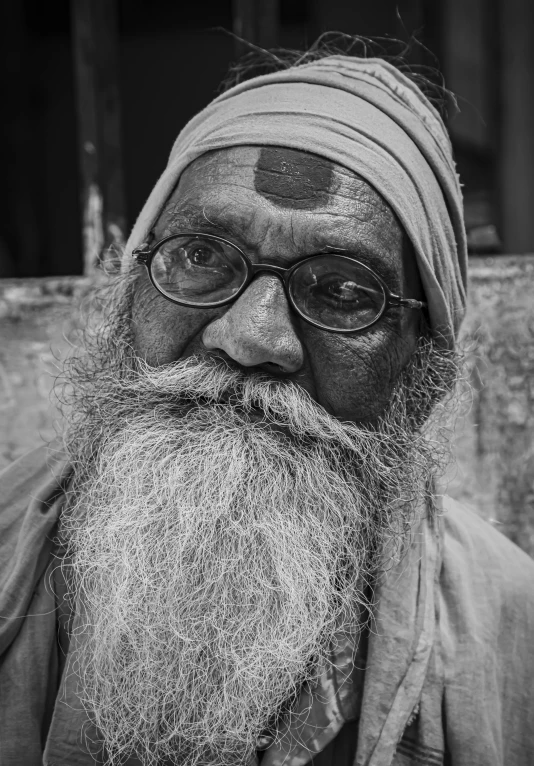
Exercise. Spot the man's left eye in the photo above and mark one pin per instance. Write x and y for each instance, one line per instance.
(203, 256)
(343, 291)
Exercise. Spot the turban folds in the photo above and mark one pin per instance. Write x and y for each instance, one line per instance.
(367, 116)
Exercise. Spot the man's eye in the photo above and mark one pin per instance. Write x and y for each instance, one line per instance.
(201, 255)
(342, 291)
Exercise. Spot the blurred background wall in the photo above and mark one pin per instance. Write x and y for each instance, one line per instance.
(94, 93)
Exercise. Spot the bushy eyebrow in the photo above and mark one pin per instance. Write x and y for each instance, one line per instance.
(192, 218)
(185, 217)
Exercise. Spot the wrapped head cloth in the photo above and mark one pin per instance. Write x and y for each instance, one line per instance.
(367, 116)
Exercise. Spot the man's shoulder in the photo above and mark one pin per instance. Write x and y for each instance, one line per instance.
(484, 565)
(23, 478)
(30, 493)
(28, 486)
(486, 618)
(28, 489)
(464, 527)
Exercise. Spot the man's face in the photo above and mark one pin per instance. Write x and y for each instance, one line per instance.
(280, 205)
(218, 554)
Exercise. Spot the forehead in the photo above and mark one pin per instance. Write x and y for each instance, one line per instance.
(269, 194)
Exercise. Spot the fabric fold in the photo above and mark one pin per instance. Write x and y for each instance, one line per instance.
(29, 671)
(400, 651)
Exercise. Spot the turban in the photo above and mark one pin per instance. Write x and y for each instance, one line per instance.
(363, 114)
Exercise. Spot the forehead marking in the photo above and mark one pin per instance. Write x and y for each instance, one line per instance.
(293, 179)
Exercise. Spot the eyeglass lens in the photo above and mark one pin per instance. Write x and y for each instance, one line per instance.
(337, 292)
(198, 271)
(331, 290)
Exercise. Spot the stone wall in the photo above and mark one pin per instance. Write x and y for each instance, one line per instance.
(493, 438)
(38, 322)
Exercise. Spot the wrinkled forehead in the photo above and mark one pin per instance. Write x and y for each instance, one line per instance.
(277, 199)
(290, 179)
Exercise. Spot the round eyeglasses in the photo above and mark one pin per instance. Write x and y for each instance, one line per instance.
(330, 290)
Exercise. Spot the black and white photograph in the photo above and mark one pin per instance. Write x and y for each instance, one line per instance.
(267, 383)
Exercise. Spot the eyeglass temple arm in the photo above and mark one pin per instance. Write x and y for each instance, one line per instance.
(408, 303)
(142, 253)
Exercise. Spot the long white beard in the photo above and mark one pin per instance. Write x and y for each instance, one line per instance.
(217, 554)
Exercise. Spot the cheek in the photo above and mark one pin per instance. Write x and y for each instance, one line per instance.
(355, 376)
(163, 330)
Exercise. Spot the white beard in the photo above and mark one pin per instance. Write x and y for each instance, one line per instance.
(217, 554)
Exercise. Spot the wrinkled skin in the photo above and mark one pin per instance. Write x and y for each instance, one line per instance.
(279, 205)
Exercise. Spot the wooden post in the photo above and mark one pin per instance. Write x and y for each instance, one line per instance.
(23, 242)
(257, 22)
(516, 150)
(94, 36)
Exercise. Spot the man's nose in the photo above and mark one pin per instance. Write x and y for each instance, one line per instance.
(257, 329)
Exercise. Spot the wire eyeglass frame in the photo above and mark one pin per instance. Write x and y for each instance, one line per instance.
(146, 252)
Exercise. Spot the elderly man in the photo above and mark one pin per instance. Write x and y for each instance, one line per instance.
(243, 557)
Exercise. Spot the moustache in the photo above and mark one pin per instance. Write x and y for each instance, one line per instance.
(245, 399)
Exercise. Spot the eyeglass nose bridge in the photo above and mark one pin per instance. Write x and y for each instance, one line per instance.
(283, 274)
(268, 268)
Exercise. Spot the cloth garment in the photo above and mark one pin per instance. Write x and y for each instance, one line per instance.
(367, 116)
(449, 673)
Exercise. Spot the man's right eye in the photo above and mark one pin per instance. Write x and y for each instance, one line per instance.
(343, 294)
(202, 255)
